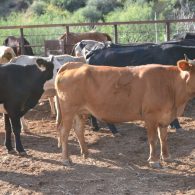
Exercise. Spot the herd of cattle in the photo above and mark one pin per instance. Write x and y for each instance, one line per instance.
(112, 82)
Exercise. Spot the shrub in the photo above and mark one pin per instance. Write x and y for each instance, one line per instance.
(38, 7)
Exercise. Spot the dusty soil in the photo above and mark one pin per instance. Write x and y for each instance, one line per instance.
(116, 165)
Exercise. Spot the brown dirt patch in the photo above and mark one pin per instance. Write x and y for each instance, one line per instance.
(115, 165)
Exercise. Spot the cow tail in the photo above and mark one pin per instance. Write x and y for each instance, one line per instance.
(58, 120)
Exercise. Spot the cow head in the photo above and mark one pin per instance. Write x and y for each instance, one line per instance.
(16, 43)
(46, 67)
(12, 42)
(187, 67)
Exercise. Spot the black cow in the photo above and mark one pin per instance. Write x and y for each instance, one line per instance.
(16, 45)
(21, 88)
(167, 53)
(184, 36)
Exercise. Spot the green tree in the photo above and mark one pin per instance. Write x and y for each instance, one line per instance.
(38, 7)
(70, 5)
(96, 10)
(104, 6)
(91, 14)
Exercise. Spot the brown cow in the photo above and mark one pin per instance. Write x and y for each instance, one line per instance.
(156, 94)
(74, 38)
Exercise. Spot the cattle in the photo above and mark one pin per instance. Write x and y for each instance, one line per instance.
(83, 47)
(20, 90)
(153, 93)
(6, 54)
(16, 45)
(74, 38)
(184, 36)
(166, 53)
(58, 61)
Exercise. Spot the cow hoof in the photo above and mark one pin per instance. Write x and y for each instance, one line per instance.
(23, 153)
(67, 163)
(12, 152)
(85, 155)
(155, 165)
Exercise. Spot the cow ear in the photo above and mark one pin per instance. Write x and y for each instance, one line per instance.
(184, 65)
(41, 64)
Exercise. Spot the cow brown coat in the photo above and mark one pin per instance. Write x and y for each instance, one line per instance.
(156, 94)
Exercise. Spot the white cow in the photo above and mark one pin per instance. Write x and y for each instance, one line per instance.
(85, 46)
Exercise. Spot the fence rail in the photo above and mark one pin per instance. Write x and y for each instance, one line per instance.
(119, 30)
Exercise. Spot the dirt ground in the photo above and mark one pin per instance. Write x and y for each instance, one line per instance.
(116, 165)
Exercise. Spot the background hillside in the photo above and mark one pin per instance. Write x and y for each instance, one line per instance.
(33, 12)
(95, 10)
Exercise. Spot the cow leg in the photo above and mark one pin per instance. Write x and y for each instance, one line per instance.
(16, 126)
(162, 132)
(64, 133)
(112, 128)
(152, 139)
(52, 106)
(94, 123)
(175, 124)
(79, 130)
(24, 125)
(8, 132)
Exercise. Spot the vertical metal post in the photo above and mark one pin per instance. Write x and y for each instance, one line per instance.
(156, 29)
(22, 41)
(168, 31)
(67, 46)
(115, 33)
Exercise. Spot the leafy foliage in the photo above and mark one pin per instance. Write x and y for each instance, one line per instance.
(38, 7)
(76, 11)
(70, 5)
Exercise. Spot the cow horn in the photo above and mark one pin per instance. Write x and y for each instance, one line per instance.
(192, 62)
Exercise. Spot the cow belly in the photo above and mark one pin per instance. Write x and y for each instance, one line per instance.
(115, 113)
(2, 109)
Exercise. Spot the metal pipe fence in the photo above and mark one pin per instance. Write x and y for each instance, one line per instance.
(121, 32)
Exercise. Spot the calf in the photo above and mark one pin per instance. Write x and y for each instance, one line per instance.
(154, 93)
(20, 89)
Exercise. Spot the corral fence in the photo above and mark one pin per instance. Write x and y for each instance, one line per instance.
(43, 36)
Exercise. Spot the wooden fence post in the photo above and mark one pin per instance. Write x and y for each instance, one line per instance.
(115, 33)
(22, 41)
(168, 31)
(66, 49)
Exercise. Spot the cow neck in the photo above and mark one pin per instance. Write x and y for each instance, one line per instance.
(182, 94)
